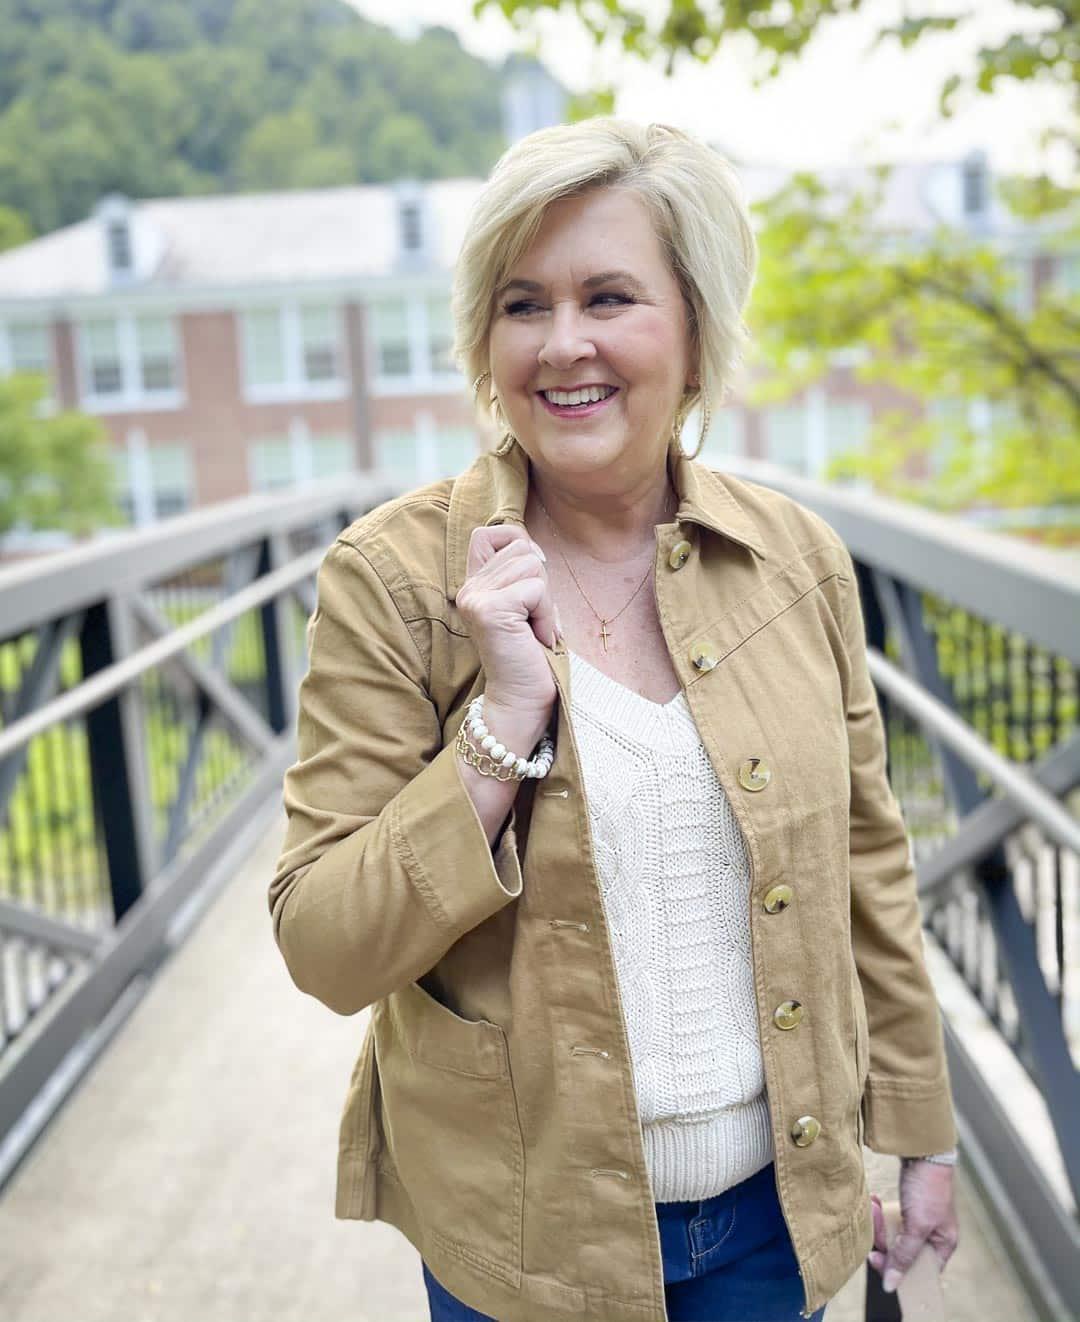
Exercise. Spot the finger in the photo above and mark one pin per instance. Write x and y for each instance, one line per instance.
(881, 1238)
(876, 1260)
(902, 1253)
(518, 583)
(485, 542)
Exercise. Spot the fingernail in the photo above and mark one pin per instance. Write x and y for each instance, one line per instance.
(558, 621)
(891, 1281)
(540, 552)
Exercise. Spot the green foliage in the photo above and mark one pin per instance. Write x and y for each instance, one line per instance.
(940, 321)
(55, 469)
(937, 317)
(14, 228)
(155, 98)
(696, 30)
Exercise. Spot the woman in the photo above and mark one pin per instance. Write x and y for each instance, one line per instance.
(636, 998)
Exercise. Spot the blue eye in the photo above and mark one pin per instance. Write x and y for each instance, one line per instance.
(516, 309)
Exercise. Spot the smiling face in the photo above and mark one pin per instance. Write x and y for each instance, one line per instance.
(592, 302)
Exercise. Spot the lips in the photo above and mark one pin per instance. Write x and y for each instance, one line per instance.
(576, 410)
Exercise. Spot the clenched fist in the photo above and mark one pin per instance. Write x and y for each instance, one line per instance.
(506, 603)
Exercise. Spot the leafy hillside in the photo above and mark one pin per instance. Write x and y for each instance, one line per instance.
(160, 97)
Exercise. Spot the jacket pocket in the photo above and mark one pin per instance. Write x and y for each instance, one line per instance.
(451, 1127)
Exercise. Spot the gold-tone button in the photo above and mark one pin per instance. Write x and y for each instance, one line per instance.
(805, 1130)
(787, 1014)
(754, 773)
(703, 655)
(680, 553)
(778, 898)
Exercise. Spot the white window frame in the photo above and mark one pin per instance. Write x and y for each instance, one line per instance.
(133, 398)
(7, 356)
(423, 379)
(295, 386)
(144, 494)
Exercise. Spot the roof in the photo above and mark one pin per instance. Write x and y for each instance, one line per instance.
(245, 239)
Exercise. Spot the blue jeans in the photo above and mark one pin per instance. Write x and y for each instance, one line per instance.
(726, 1259)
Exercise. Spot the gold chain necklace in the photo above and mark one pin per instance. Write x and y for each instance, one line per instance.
(604, 622)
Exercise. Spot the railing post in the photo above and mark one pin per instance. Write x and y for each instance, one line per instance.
(113, 781)
(277, 645)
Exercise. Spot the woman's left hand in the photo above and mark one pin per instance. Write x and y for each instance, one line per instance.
(928, 1215)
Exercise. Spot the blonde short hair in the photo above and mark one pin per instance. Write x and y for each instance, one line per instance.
(698, 210)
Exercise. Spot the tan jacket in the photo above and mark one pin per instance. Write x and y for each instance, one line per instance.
(474, 1122)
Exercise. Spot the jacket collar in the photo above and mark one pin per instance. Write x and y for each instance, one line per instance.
(495, 488)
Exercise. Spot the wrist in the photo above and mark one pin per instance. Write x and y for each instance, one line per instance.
(518, 728)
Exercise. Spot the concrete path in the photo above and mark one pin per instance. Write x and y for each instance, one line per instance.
(190, 1177)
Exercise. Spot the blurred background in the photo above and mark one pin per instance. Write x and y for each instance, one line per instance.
(227, 237)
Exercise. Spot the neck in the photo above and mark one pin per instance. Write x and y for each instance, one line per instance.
(611, 527)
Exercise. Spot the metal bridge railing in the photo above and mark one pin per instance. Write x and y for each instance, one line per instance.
(974, 648)
(147, 708)
(147, 711)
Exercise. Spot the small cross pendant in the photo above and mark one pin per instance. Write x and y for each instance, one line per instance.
(604, 633)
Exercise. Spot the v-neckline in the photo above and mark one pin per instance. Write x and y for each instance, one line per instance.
(626, 690)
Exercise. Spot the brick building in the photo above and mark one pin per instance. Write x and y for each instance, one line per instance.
(240, 343)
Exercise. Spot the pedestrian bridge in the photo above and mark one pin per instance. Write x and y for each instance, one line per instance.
(168, 1100)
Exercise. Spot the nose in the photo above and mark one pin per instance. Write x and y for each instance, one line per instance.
(565, 342)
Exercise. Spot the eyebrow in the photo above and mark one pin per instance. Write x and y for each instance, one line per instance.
(601, 278)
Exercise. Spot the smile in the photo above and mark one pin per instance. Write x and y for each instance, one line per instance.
(576, 410)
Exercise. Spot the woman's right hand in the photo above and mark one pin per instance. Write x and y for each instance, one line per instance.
(506, 603)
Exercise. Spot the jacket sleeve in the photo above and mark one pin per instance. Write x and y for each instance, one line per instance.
(385, 862)
(907, 1105)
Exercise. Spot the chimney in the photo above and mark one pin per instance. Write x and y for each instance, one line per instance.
(413, 223)
(531, 98)
(975, 190)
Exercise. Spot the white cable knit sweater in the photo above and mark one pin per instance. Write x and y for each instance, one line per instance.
(675, 881)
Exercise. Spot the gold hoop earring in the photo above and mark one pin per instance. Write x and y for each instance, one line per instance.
(476, 386)
(706, 418)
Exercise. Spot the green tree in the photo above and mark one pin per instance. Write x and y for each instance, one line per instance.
(14, 228)
(937, 316)
(55, 469)
(153, 99)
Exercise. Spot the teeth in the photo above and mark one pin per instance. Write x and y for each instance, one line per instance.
(590, 395)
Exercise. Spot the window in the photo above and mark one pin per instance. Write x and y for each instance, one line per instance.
(130, 361)
(270, 463)
(440, 335)
(848, 422)
(105, 367)
(26, 347)
(390, 332)
(153, 481)
(332, 455)
(412, 235)
(265, 347)
(293, 350)
(120, 258)
(457, 449)
(396, 455)
(157, 353)
(319, 340)
(284, 461)
(424, 452)
(786, 436)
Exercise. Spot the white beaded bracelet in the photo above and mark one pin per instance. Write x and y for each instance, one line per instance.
(497, 755)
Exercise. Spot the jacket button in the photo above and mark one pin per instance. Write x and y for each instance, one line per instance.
(787, 1014)
(778, 898)
(754, 773)
(805, 1130)
(703, 655)
(680, 553)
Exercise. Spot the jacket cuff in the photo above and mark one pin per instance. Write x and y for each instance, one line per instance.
(452, 866)
(901, 1117)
